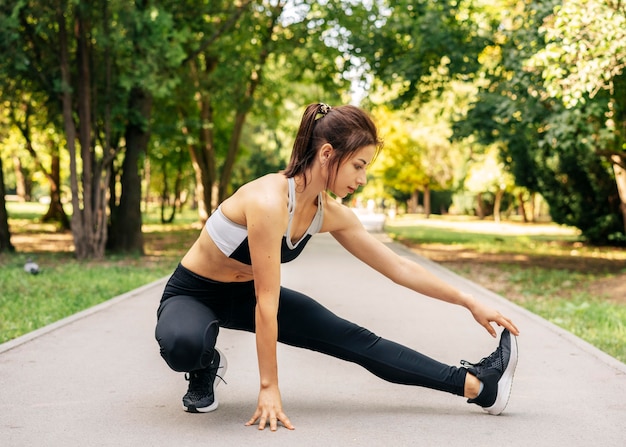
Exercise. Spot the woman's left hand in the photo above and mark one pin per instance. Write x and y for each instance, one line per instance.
(485, 315)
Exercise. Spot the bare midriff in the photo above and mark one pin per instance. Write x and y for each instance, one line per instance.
(204, 258)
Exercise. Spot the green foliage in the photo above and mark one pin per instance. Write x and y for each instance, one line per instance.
(229, 80)
(418, 154)
(549, 148)
(247, 64)
(130, 45)
(409, 40)
(488, 174)
(585, 49)
(577, 184)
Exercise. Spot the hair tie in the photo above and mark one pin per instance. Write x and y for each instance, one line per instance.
(324, 108)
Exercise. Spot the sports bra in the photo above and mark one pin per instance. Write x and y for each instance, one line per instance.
(232, 238)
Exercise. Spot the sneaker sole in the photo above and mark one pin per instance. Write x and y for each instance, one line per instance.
(222, 369)
(506, 382)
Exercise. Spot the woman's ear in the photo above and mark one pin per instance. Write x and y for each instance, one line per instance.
(325, 153)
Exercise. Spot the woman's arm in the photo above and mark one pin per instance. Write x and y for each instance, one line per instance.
(350, 233)
(266, 217)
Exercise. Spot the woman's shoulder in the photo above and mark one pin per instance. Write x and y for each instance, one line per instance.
(337, 216)
(265, 187)
(269, 191)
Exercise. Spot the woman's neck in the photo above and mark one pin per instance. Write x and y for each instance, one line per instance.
(308, 193)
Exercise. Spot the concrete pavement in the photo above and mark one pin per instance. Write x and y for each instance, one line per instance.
(96, 379)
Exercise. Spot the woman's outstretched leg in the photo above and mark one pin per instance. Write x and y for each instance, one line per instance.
(303, 322)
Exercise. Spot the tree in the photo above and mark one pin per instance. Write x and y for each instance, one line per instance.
(41, 134)
(145, 74)
(548, 147)
(29, 116)
(98, 68)
(424, 158)
(170, 175)
(409, 40)
(429, 55)
(227, 66)
(5, 234)
(400, 163)
(79, 58)
(489, 175)
(585, 55)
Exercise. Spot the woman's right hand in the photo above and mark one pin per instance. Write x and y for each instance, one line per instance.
(270, 409)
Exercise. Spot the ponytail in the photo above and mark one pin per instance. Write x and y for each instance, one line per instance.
(347, 128)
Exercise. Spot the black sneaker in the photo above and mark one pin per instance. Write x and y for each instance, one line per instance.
(496, 374)
(200, 397)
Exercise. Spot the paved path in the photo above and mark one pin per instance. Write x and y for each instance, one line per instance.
(96, 379)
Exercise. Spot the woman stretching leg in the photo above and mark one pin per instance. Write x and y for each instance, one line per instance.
(230, 278)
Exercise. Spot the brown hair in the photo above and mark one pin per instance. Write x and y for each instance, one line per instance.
(346, 128)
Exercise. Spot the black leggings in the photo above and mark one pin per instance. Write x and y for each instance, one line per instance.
(193, 308)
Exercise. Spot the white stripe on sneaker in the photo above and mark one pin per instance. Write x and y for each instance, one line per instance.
(506, 381)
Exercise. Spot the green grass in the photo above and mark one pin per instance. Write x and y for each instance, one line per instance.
(486, 236)
(560, 295)
(66, 286)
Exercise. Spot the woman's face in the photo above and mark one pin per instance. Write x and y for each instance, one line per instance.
(352, 172)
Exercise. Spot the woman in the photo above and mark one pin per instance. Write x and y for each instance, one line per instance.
(231, 278)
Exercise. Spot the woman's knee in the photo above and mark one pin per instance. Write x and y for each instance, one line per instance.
(186, 335)
(182, 351)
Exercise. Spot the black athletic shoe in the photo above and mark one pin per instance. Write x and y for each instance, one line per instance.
(200, 397)
(496, 374)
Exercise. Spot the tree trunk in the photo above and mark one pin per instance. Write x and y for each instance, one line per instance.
(126, 234)
(413, 202)
(427, 206)
(5, 234)
(521, 207)
(497, 204)
(203, 159)
(22, 187)
(480, 206)
(168, 198)
(165, 193)
(89, 216)
(55, 212)
(89, 175)
(70, 135)
(147, 174)
(620, 179)
(231, 156)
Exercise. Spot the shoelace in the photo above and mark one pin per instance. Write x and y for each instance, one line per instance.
(486, 362)
(198, 381)
(201, 381)
(217, 376)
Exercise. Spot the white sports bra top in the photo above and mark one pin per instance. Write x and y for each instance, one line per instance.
(232, 238)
